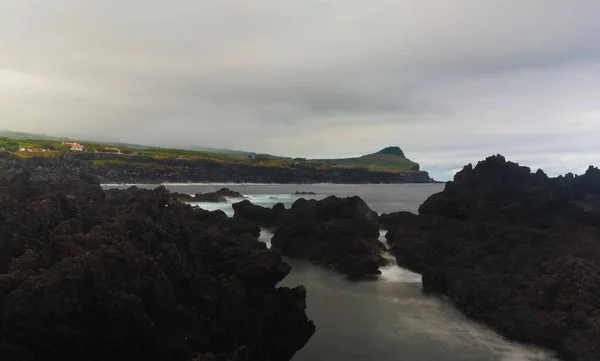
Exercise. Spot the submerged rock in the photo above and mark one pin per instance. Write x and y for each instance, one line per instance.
(338, 232)
(137, 275)
(514, 249)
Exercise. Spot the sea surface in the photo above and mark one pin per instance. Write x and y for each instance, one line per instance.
(389, 319)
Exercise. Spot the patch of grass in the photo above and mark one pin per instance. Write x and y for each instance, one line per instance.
(27, 155)
(106, 162)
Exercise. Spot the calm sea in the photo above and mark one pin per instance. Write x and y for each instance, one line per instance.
(389, 319)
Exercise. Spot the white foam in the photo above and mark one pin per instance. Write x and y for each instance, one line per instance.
(271, 198)
(442, 322)
(210, 206)
(264, 200)
(382, 239)
(246, 184)
(265, 236)
(393, 273)
(127, 185)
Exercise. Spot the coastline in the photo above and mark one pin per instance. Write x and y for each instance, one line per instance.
(225, 184)
(111, 169)
(430, 273)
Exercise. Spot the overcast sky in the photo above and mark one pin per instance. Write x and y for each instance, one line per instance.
(450, 82)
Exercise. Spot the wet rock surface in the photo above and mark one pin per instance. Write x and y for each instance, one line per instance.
(341, 233)
(137, 275)
(517, 250)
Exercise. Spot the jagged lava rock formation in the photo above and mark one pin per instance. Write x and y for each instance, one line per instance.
(137, 275)
(266, 217)
(341, 233)
(514, 249)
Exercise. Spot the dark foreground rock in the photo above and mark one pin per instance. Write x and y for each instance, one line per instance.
(341, 233)
(390, 220)
(137, 275)
(266, 217)
(514, 249)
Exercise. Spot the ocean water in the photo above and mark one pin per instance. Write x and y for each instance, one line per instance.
(389, 319)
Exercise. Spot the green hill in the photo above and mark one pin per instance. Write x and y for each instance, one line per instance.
(391, 151)
(390, 159)
(29, 136)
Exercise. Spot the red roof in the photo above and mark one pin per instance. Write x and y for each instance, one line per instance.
(73, 144)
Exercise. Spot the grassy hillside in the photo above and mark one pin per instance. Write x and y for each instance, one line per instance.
(390, 159)
(24, 136)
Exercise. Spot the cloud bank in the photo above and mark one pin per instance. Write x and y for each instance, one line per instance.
(449, 82)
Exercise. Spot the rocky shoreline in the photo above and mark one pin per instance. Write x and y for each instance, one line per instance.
(110, 168)
(137, 275)
(516, 250)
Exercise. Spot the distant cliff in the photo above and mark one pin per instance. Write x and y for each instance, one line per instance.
(390, 159)
(119, 168)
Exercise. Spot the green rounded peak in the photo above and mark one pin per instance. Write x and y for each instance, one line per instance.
(392, 151)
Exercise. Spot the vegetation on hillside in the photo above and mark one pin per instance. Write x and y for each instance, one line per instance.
(391, 151)
(390, 159)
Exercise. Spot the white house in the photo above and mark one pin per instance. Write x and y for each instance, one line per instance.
(75, 146)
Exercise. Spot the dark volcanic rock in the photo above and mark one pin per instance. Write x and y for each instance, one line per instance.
(391, 220)
(266, 217)
(338, 232)
(184, 197)
(514, 249)
(214, 197)
(209, 197)
(226, 192)
(137, 275)
(241, 226)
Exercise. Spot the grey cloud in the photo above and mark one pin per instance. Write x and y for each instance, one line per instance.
(450, 82)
